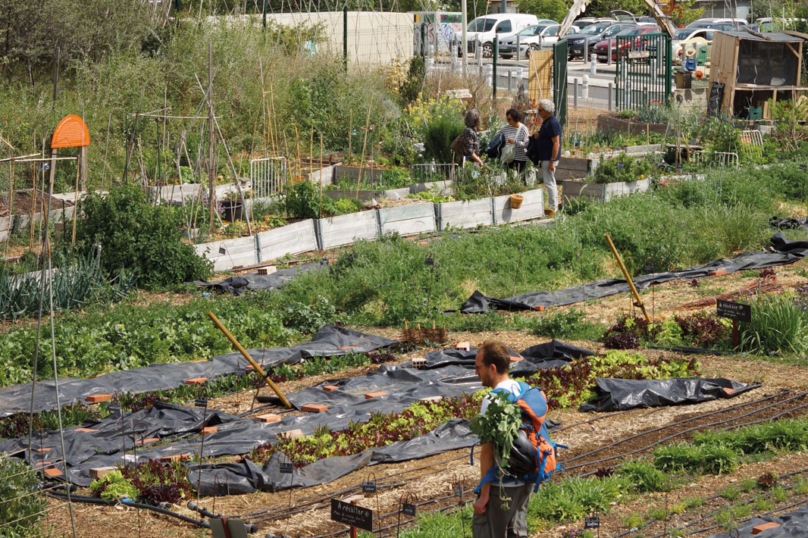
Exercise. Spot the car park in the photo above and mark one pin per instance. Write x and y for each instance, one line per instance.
(714, 22)
(582, 23)
(602, 48)
(594, 33)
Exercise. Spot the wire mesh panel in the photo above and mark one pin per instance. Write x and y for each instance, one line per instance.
(716, 158)
(429, 172)
(643, 70)
(268, 176)
(560, 56)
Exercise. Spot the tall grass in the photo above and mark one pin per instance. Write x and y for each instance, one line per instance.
(692, 223)
(777, 327)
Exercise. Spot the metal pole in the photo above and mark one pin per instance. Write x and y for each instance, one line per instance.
(609, 61)
(575, 95)
(211, 143)
(464, 45)
(423, 40)
(518, 48)
(611, 90)
(510, 80)
(247, 356)
(265, 13)
(494, 77)
(345, 37)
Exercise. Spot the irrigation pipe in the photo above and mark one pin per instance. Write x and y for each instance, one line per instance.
(794, 505)
(678, 434)
(126, 502)
(738, 406)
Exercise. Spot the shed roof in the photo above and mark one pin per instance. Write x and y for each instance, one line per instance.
(769, 36)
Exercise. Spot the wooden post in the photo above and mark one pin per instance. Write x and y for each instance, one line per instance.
(211, 142)
(247, 356)
(79, 160)
(639, 304)
(364, 145)
(10, 203)
(46, 206)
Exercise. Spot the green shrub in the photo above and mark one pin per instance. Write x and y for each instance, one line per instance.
(138, 236)
(643, 476)
(777, 327)
(20, 506)
(623, 168)
(302, 200)
(414, 83)
(568, 325)
(348, 205)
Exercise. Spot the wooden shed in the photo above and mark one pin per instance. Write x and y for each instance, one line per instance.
(749, 69)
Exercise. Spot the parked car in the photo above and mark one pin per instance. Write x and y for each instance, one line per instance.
(712, 22)
(603, 47)
(485, 29)
(582, 23)
(595, 33)
(531, 38)
(776, 24)
(688, 36)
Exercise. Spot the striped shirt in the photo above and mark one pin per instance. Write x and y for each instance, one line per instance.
(520, 138)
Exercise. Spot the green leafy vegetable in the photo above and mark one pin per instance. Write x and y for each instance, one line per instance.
(499, 425)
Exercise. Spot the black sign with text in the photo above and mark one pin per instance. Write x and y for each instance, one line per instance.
(201, 402)
(592, 522)
(352, 515)
(287, 468)
(408, 509)
(368, 487)
(733, 311)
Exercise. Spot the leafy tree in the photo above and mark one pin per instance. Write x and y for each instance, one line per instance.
(545, 9)
(139, 236)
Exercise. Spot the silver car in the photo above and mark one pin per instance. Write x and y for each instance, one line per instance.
(595, 32)
(531, 38)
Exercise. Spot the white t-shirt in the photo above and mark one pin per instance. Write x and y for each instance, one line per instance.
(511, 386)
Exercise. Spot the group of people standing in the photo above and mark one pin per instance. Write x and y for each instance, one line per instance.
(543, 147)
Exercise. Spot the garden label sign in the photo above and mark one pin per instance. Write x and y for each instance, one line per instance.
(736, 312)
(592, 522)
(352, 515)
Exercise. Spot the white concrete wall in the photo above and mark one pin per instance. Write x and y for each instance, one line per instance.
(374, 38)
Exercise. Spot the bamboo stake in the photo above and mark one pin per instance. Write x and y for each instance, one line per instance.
(75, 199)
(321, 175)
(311, 150)
(634, 292)
(10, 204)
(297, 143)
(364, 145)
(350, 130)
(247, 356)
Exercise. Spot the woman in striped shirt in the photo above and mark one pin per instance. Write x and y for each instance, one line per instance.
(516, 133)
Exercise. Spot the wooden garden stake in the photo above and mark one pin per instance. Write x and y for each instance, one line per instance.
(311, 149)
(350, 130)
(76, 195)
(634, 292)
(321, 175)
(297, 142)
(364, 145)
(10, 203)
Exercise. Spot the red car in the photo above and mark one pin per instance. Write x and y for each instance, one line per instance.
(602, 47)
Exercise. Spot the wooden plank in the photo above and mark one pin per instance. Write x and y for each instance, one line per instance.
(466, 214)
(540, 75)
(532, 207)
(347, 229)
(410, 219)
(290, 239)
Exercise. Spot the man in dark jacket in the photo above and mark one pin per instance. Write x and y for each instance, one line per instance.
(545, 149)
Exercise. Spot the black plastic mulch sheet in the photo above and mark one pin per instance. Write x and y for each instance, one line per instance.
(792, 525)
(788, 224)
(624, 394)
(326, 343)
(785, 252)
(255, 282)
(247, 477)
(539, 357)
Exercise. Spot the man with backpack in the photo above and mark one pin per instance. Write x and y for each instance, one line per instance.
(500, 511)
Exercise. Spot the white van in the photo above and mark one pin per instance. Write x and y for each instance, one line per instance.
(485, 29)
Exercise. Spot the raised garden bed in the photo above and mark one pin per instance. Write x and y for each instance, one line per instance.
(443, 187)
(580, 167)
(602, 192)
(612, 124)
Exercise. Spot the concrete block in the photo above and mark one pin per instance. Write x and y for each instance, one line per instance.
(419, 362)
(88, 430)
(177, 457)
(314, 408)
(291, 434)
(463, 346)
(377, 394)
(330, 388)
(432, 399)
(98, 398)
(267, 270)
(270, 418)
(718, 272)
(53, 473)
(209, 430)
(147, 441)
(98, 472)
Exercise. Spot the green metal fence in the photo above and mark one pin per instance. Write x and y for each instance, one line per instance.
(644, 70)
(560, 55)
